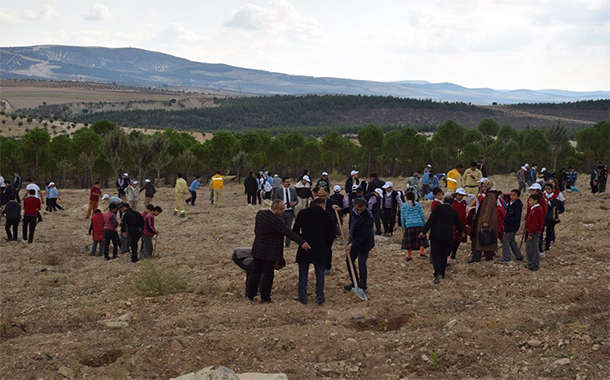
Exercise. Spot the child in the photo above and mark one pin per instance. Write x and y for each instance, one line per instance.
(149, 232)
(533, 225)
(94, 199)
(413, 221)
(459, 205)
(110, 232)
(555, 206)
(12, 211)
(193, 190)
(437, 198)
(96, 230)
(148, 210)
(31, 208)
(512, 221)
(374, 203)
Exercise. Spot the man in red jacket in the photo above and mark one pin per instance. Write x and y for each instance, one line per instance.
(31, 208)
(94, 198)
(534, 224)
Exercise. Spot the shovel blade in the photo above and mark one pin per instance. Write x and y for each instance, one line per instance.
(360, 293)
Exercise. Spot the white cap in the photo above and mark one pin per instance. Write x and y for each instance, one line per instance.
(448, 194)
(147, 180)
(105, 196)
(306, 178)
(51, 183)
(324, 173)
(461, 191)
(337, 188)
(388, 185)
(379, 191)
(536, 186)
(542, 170)
(527, 165)
(483, 180)
(276, 176)
(429, 165)
(125, 175)
(134, 182)
(523, 168)
(353, 172)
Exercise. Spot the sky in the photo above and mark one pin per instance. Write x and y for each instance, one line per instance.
(500, 44)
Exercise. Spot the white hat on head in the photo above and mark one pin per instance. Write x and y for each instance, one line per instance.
(379, 191)
(306, 178)
(324, 173)
(125, 174)
(105, 196)
(461, 191)
(527, 165)
(147, 180)
(542, 170)
(337, 188)
(51, 183)
(429, 165)
(536, 186)
(353, 172)
(388, 185)
(276, 176)
(483, 180)
(523, 168)
(135, 182)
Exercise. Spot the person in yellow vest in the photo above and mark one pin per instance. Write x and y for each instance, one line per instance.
(454, 178)
(471, 178)
(217, 184)
(181, 190)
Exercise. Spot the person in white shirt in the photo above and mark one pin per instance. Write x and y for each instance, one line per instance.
(289, 196)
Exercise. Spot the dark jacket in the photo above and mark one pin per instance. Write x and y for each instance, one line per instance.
(349, 183)
(149, 190)
(8, 191)
(12, 210)
(361, 235)
(250, 185)
(376, 183)
(132, 222)
(512, 221)
(441, 222)
(269, 233)
(17, 183)
(317, 227)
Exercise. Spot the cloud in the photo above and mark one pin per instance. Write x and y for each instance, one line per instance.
(280, 19)
(98, 12)
(176, 33)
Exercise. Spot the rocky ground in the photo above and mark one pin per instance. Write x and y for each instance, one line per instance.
(66, 314)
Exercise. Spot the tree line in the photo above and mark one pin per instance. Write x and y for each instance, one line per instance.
(103, 150)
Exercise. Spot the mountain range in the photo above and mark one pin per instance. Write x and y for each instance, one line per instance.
(137, 67)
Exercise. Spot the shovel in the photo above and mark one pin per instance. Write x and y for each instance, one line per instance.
(350, 265)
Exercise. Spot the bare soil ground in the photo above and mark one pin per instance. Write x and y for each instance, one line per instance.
(486, 321)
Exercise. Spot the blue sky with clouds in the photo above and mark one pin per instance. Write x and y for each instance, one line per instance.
(502, 44)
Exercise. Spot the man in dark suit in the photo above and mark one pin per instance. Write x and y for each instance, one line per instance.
(440, 224)
(268, 248)
(361, 241)
(373, 183)
(316, 226)
(289, 196)
(330, 206)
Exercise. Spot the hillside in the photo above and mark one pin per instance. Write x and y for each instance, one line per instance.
(137, 67)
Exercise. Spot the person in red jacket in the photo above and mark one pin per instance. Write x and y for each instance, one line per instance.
(459, 205)
(537, 189)
(534, 224)
(149, 232)
(94, 199)
(96, 230)
(31, 208)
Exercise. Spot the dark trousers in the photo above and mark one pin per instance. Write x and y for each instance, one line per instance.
(439, 249)
(602, 186)
(134, 238)
(193, 198)
(476, 255)
(111, 236)
(303, 272)
(262, 275)
(288, 218)
(550, 234)
(14, 224)
(362, 271)
(377, 218)
(259, 196)
(454, 248)
(251, 198)
(522, 187)
(29, 221)
(97, 245)
(389, 220)
(594, 187)
(532, 251)
(246, 268)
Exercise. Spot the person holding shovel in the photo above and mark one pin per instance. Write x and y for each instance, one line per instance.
(361, 242)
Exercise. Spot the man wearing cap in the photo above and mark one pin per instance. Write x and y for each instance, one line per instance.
(471, 179)
(390, 203)
(112, 200)
(324, 182)
(304, 194)
(351, 181)
(288, 195)
(341, 199)
(428, 169)
(133, 195)
(482, 165)
(94, 199)
(149, 191)
(454, 178)
(121, 184)
(521, 178)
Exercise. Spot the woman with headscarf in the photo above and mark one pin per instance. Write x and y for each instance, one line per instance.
(485, 224)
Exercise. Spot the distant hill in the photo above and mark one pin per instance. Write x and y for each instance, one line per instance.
(137, 67)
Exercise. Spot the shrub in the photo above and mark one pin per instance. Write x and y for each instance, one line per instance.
(155, 281)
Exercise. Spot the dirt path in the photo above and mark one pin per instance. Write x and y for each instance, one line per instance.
(477, 323)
